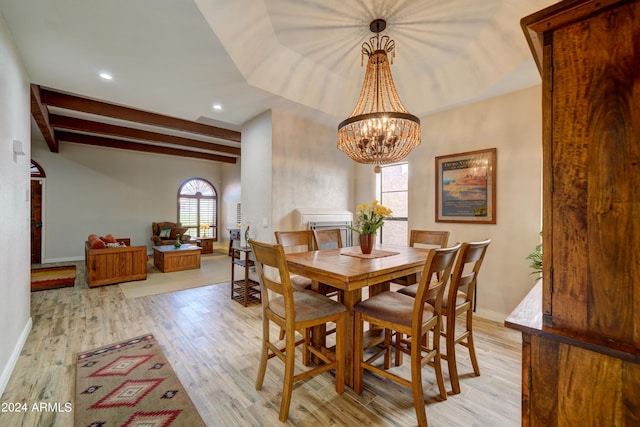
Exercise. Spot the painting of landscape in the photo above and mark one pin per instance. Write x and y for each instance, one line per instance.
(465, 187)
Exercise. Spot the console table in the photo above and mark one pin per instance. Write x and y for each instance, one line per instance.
(206, 243)
(245, 291)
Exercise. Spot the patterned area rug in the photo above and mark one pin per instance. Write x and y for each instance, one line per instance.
(131, 384)
(52, 278)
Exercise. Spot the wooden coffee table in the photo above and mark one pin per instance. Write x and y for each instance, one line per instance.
(169, 258)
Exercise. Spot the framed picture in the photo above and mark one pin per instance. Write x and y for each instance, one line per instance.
(466, 187)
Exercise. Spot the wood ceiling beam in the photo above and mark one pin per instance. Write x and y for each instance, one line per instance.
(104, 129)
(134, 146)
(40, 114)
(100, 108)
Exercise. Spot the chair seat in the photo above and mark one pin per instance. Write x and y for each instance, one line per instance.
(392, 307)
(309, 305)
(411, 291)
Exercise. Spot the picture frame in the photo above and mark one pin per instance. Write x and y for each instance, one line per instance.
(466, 187)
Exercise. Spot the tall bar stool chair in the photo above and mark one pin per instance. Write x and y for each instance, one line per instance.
(459, 300)
(295, 311)
(302, 241)
(296, 241)
(403, 314)
(422, 238)
(327, 238)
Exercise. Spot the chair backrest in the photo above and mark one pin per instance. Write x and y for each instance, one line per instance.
(429, 237)
(295, 241)
(465, 272)
(439, 265)
(327, 238)
(272, 256)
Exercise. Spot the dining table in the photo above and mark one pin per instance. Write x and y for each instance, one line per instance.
(352, 271)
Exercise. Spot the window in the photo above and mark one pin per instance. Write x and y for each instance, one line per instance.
(198, 207)
(36, 170)
(393, 192)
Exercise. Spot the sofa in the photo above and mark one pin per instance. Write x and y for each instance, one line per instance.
(164, 233)
(109, 260)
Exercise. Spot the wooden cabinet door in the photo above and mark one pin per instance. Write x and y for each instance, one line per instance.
(594, 192)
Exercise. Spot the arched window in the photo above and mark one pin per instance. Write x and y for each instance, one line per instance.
(36, 170)
(198, 207)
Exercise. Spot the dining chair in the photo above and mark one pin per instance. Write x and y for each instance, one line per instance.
(459, 300)
(423, 238)
(295, 311)
(303, 241)
(403, 314)
(327, 238)
(296, 241)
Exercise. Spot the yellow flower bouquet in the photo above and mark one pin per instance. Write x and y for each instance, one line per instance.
(370, 217)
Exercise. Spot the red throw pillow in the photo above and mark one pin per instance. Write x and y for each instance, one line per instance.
(98, 244)
(109, 239)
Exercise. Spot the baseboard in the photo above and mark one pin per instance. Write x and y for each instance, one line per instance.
(490, 315)
(70, 259)
(11, 364)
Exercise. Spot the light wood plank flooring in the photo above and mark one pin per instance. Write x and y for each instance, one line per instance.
(213, 345)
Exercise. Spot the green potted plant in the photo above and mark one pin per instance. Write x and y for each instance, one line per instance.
(535, 259)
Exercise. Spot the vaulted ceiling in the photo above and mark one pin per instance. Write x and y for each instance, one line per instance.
(176, 58)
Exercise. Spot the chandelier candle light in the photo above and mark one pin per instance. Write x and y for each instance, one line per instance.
(380, 130)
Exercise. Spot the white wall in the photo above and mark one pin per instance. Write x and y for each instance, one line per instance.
(15, 292)
(308, 170)
(102, 190)
(513, 124)
(229, 196)
(257, 182)
(290, 162)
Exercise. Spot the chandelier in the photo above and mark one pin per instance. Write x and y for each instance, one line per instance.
(379, 130)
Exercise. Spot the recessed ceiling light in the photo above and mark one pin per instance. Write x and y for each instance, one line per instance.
(106, 76)
(217, 107)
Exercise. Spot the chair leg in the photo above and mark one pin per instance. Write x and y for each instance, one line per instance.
(470, 345)
(340, 353)
(398, 347)
(306, 354)
(437, 364)
(388, 333)
(416, 381)
(450, 340)
(358, 353)
(265, 354)
(437, 359)
(290, 360)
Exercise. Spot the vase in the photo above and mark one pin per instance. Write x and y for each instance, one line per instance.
(366, 243)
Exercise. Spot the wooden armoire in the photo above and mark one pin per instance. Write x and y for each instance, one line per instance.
(581, 324)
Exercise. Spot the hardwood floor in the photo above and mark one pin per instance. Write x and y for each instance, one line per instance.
(213, 345)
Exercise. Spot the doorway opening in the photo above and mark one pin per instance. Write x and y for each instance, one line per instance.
(37, 183)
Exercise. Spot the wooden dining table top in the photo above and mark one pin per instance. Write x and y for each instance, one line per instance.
(346, 272)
